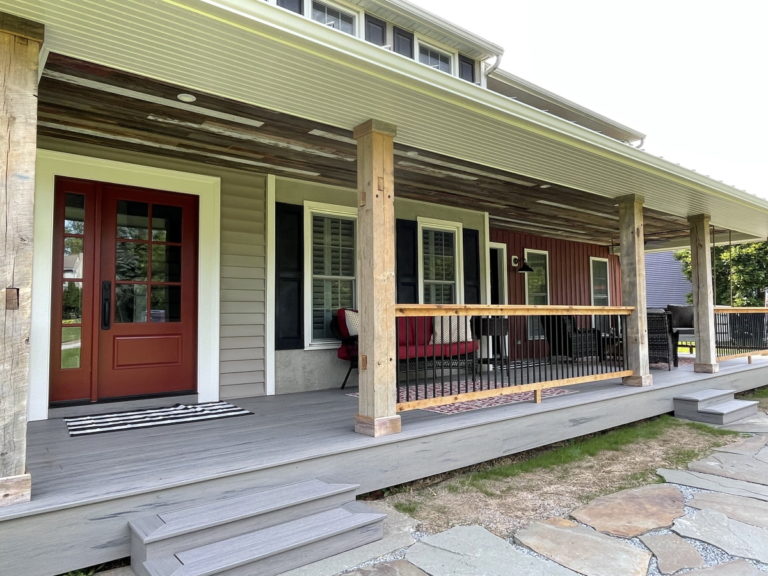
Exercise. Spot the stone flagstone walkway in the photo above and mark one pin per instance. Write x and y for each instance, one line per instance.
(709, 520)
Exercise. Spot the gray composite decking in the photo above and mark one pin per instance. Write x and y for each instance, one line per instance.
(86, 489)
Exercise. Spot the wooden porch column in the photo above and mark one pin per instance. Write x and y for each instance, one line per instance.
(703, 297)
(20, 43)
(633, 288)
(377, 414)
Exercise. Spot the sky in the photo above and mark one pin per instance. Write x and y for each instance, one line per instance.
(690, 74)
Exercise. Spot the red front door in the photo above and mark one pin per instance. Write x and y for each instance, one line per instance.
(125, 292)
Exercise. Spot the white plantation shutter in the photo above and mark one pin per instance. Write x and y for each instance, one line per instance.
(439, 260)
(333, 270)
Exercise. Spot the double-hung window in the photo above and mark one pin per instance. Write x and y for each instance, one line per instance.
(536, 288)
(330, 281)
(440, 254)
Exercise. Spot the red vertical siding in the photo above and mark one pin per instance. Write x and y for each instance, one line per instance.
(569, 269)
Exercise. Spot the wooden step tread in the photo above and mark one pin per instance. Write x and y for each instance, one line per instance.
(250, 548)
(214, 513)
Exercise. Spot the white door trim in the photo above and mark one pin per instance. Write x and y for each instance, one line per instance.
(208, 188)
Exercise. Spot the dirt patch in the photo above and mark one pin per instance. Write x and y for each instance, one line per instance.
(503, 506)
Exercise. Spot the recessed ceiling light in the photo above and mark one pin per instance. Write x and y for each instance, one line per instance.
(184, 97)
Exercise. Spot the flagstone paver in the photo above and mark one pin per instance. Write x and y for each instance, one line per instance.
(749, 446)
(630, 513)
(735, 568)
(472, 551)
(672, 552)
(583, 549)
(715, 483)
(737, 466)
(747, 510)
(736, 538)
(396, 568)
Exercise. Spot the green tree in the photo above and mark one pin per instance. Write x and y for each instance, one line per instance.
(740, 273)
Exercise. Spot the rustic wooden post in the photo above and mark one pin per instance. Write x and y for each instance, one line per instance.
(377, 414)
(633, 289)
(20, 44)
(703, 297)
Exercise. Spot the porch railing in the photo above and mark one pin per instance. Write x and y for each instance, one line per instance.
(453, 353)
(741, 332)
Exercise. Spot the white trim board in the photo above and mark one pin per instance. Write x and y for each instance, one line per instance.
(51, 164)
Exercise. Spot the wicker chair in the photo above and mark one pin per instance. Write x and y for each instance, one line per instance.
(660, 339)
(566, 340)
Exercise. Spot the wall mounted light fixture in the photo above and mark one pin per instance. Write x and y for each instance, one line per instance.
(521, 267)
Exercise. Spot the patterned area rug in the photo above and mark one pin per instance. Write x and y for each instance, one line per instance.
(178, 414)
(459, 407)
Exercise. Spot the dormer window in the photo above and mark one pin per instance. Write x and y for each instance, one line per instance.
(333, 17)
(435, 58)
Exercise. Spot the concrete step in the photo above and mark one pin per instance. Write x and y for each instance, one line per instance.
(687, 406)
(278, 548)
(729, 411)
(164, 534)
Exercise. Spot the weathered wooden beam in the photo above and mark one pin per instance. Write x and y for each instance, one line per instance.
(703, 296)
(22, 28)
(633, 289)
(20, 44)
(377, 413)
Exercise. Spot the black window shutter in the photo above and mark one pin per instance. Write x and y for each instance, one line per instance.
(407, 266)
(471, 239)
(289, 282)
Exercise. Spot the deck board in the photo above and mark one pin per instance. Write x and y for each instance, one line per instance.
(93, 485)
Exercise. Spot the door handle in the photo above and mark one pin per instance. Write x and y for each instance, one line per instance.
(106, 304)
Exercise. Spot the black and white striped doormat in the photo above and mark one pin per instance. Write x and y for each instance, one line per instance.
(178, 414)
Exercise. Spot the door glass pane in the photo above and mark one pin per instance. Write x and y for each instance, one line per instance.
(130, 261)
(537, 288)
(166, 304)
(439, 266)
(166, 263)
(73, 258)
(132, 220)
(72, 302)
(166, 223)
(130, 303)
(70, 347)
(74, 214)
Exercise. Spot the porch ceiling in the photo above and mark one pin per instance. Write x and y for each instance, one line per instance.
(85, 102)
(457, 143)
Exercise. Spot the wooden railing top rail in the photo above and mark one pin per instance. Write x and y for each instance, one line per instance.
(402, 310)
(745, 310)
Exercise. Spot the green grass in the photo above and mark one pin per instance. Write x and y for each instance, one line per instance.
(408, 507)
(580, 448)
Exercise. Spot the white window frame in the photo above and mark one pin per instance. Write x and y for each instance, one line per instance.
(453, 55)
(593, 259)
(443, 226)
(502, 262)
(320, 209)
(534, 334)
(358, 24)
(592, 279)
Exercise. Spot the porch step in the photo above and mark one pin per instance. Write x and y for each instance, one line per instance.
(713, 406)
(177, 542)
(278, 548)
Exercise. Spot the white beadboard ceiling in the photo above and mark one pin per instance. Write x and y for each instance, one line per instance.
(250, 51)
